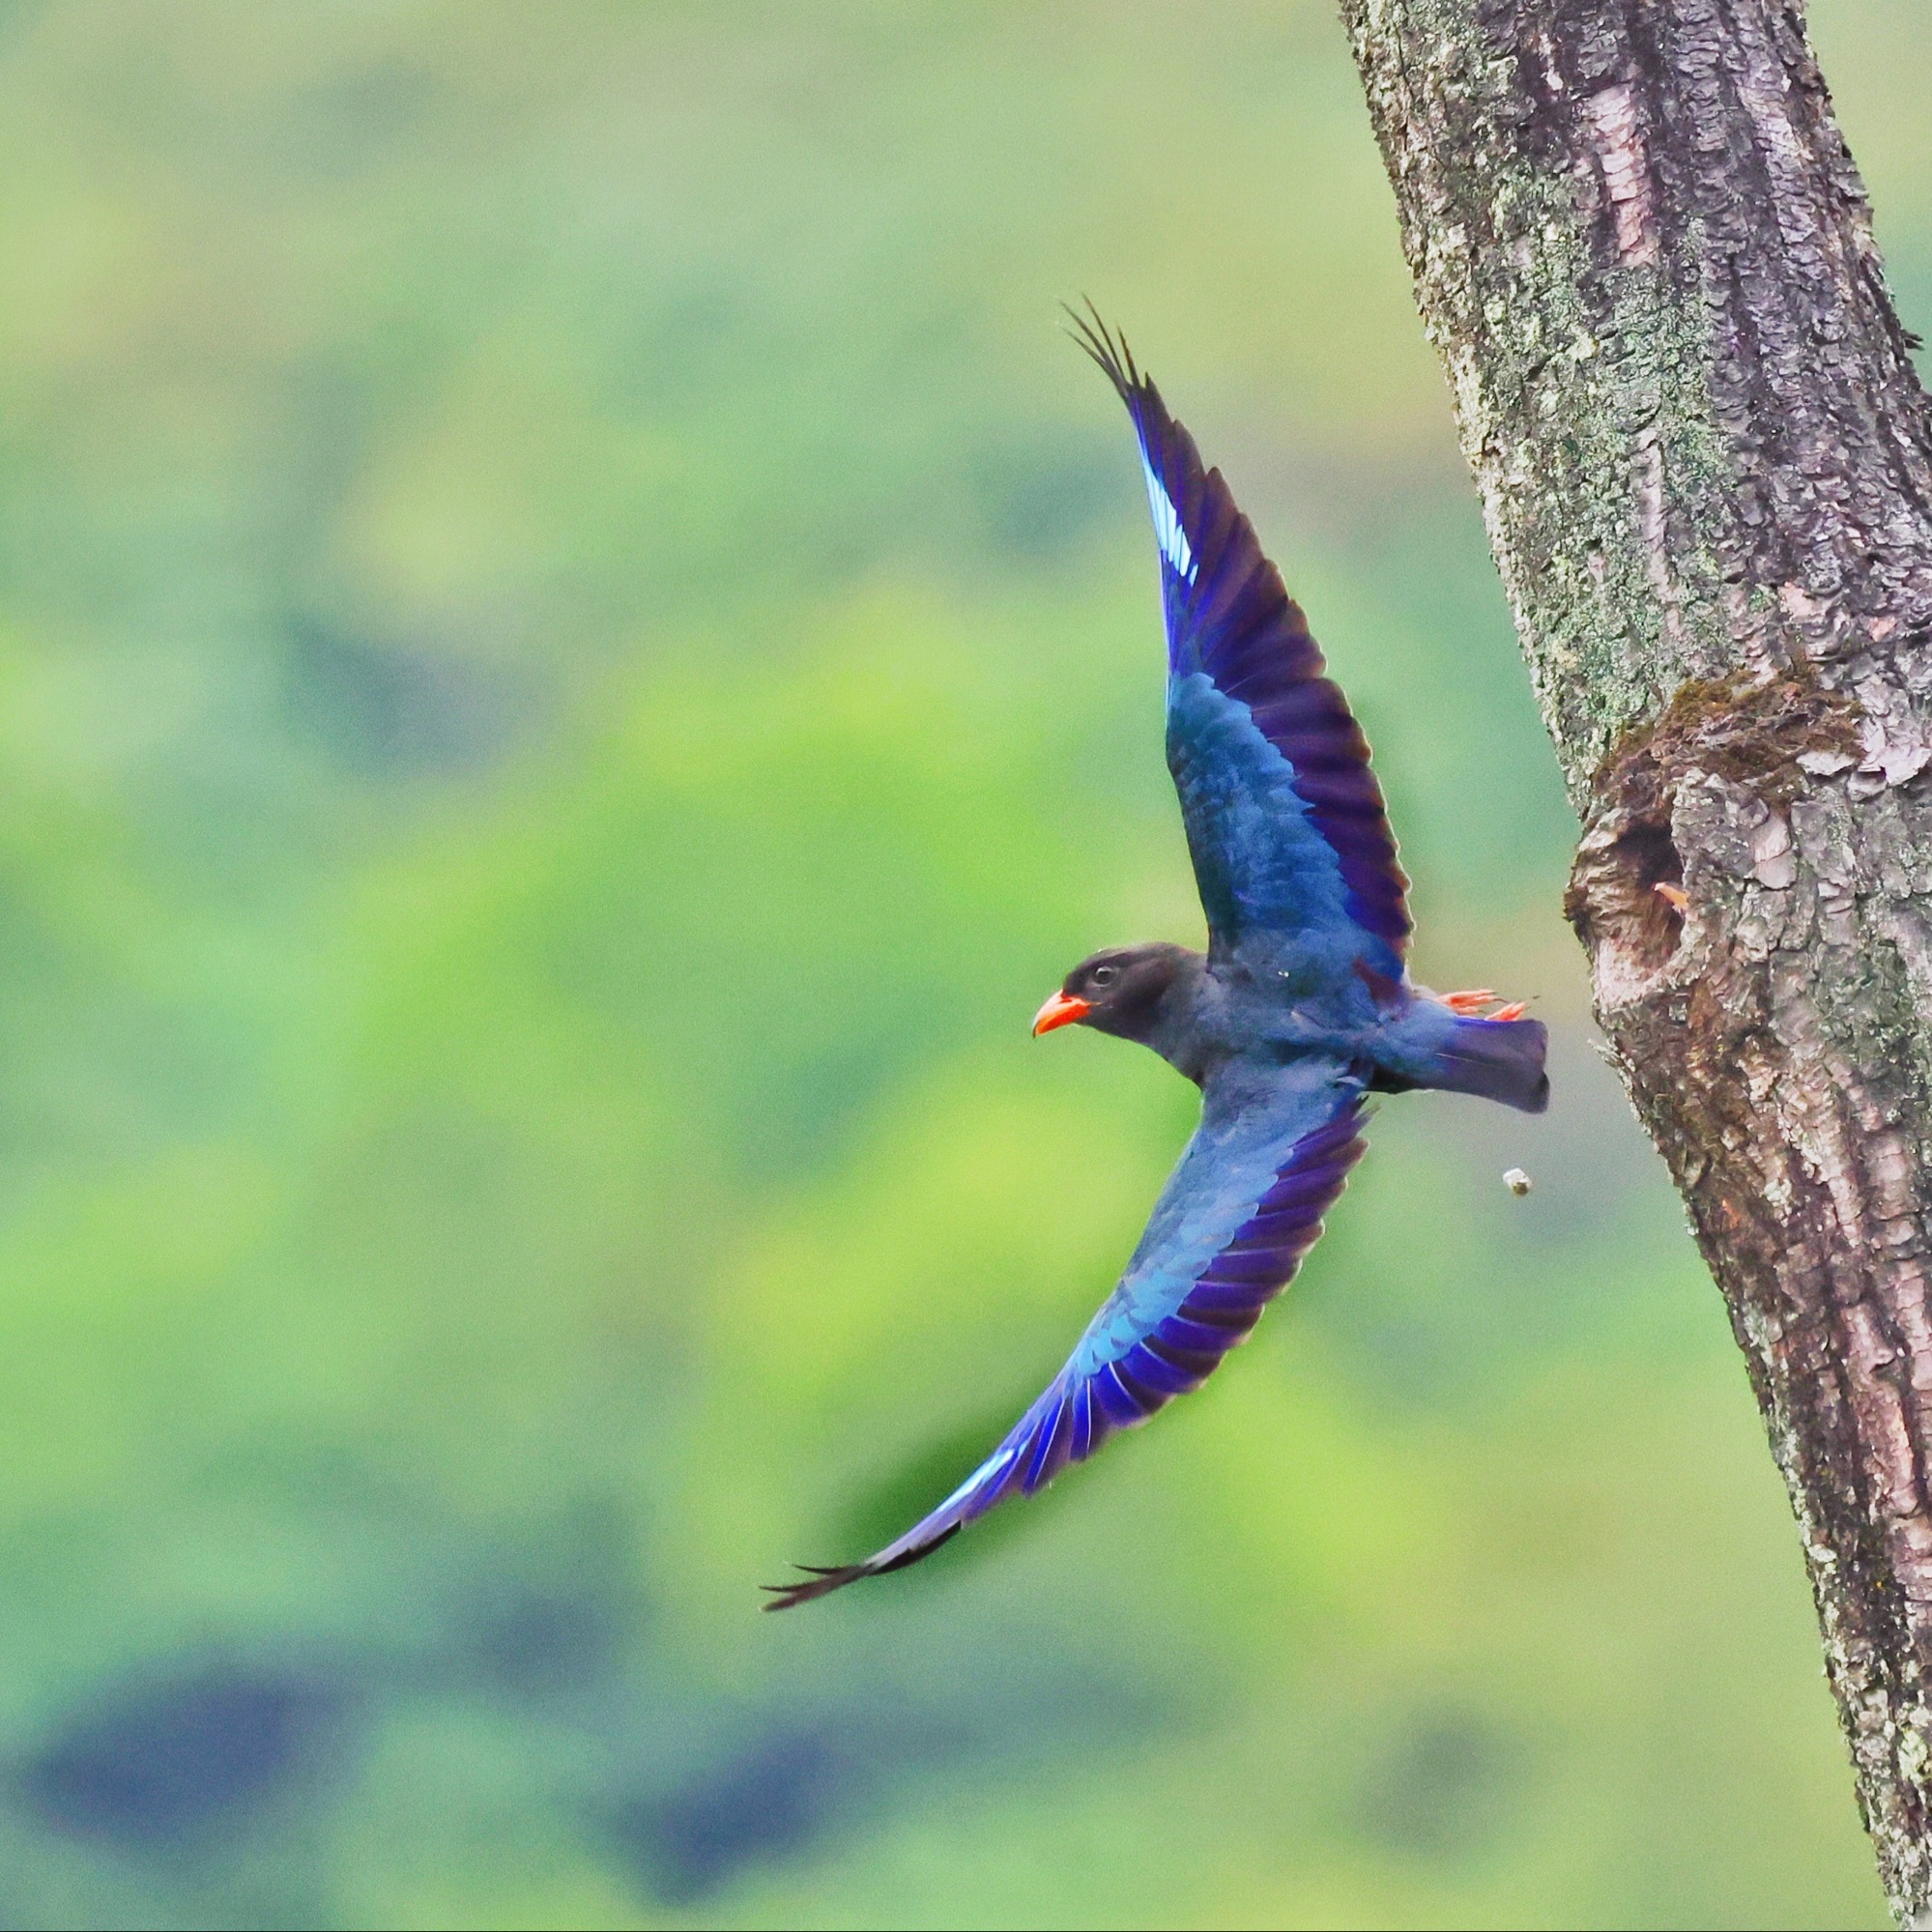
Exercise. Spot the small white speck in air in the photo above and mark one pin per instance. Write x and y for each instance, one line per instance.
(1518, 1182)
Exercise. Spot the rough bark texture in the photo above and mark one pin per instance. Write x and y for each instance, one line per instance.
(1644, 253)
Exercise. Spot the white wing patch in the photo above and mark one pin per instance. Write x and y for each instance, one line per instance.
(992, 1467)
(1168, 531)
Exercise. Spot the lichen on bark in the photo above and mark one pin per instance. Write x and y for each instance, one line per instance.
(1705, 462)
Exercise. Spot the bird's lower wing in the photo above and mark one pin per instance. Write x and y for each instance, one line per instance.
(1240, 1210)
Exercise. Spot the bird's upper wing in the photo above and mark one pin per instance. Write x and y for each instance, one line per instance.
(1284, 818)
(1238, 1213)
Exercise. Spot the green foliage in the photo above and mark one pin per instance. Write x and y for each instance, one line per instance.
(575, 658)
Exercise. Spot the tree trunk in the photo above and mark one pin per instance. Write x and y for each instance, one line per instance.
(1643, 250)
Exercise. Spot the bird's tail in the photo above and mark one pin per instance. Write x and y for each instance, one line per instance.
(1499, 1059)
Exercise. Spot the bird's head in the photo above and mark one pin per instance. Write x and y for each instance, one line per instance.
(1120, 991)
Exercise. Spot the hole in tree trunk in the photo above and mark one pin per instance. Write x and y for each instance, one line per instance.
(1630, 928)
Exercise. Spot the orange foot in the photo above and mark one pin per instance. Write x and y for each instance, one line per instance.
(1471, 1004)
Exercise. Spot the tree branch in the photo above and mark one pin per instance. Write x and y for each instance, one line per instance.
(1644, 253)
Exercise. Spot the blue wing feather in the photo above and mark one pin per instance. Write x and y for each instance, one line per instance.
(1240, 1210)
(1231, 623)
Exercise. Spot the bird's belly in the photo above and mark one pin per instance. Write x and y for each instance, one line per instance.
(1297, 1034)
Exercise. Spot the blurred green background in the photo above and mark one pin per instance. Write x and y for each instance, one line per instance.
(576, 655)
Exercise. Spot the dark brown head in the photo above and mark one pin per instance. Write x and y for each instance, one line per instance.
(1118, 991)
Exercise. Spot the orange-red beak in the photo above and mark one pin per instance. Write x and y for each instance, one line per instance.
(1062, 1010)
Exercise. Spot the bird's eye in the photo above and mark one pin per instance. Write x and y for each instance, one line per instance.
(1105, 975)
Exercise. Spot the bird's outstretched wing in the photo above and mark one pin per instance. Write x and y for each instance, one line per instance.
(1238, 1213)
(1284, 818)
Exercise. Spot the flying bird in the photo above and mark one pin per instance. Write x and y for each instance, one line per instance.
(1300, 1009)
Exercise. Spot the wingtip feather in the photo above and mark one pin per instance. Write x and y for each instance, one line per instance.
(821, 1583)
(1108, 348)
(823, 1578)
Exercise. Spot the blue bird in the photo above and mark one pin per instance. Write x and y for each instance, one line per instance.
(1301, 1007)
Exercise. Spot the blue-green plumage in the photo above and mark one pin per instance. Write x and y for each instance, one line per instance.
(1299, 1009)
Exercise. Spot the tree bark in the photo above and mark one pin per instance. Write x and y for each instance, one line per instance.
(1643, 250)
